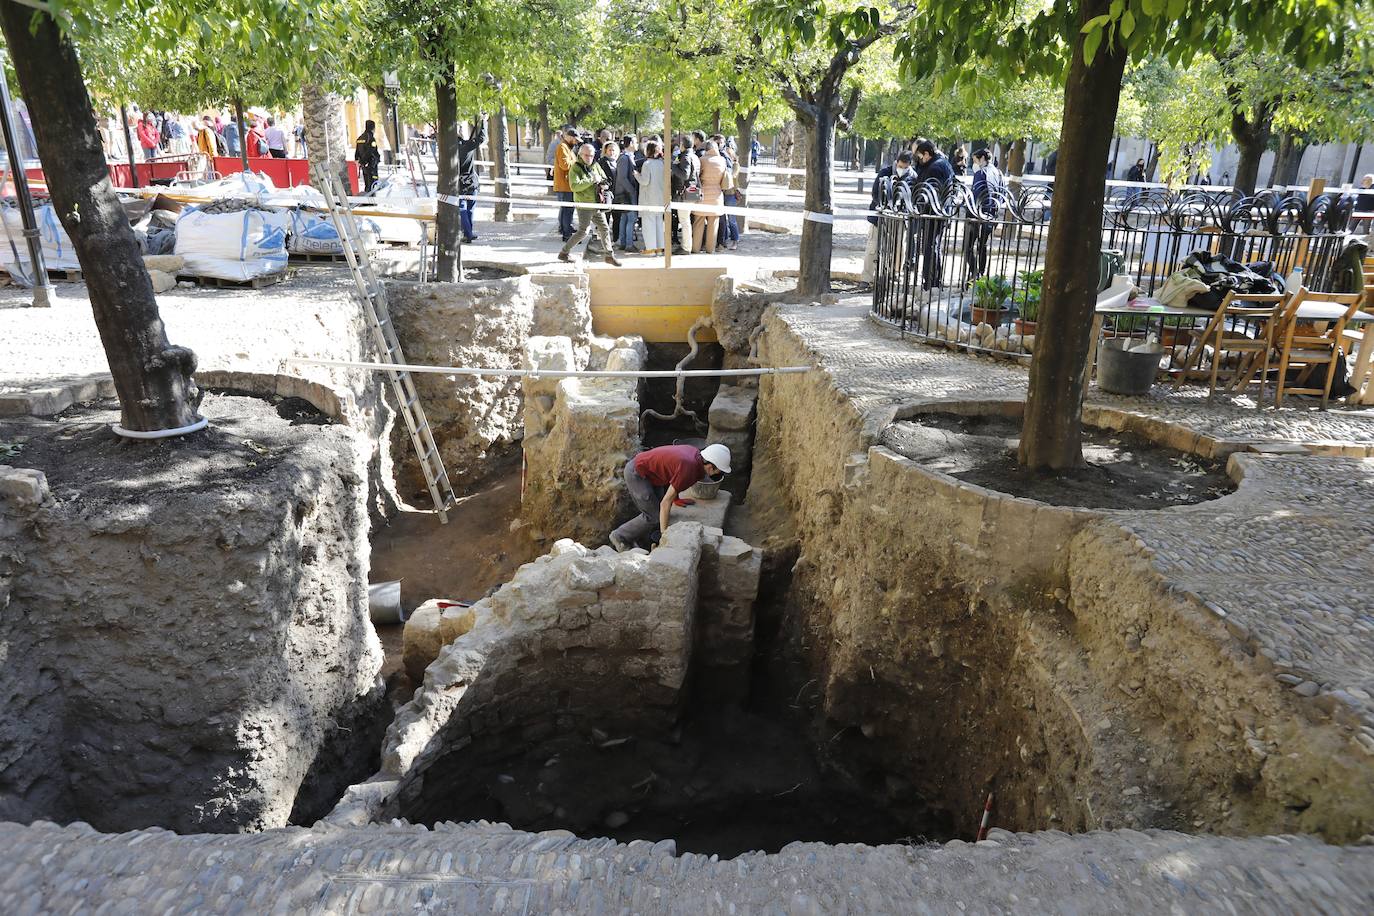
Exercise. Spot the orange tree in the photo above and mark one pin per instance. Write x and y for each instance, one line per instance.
(1088, 43)
(152, 377)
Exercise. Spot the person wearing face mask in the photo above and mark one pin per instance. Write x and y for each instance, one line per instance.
(937, 175)
(886, 186)
(989, 194)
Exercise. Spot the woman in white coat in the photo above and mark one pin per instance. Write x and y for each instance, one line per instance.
(652, 193)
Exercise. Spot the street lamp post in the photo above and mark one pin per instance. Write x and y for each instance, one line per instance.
(42, 286)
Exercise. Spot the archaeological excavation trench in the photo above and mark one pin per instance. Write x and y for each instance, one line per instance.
(854, 643)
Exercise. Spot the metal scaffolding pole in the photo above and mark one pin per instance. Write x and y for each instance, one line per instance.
(42, 286)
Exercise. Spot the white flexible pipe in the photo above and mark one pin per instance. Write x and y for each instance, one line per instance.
(160, 433)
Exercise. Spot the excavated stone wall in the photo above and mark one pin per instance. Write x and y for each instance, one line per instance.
(981, 642)
(578, 435)
(186, 638)
(481, 324)
(578, 640)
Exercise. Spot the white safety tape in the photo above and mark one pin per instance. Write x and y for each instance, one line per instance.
(680, 206)
(549, 373)
(819, 217)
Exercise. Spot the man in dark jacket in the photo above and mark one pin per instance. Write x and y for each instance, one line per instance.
(1137, 171)
(989, 196)
(934, 172)
(626, 192)
(366, 154)
(467, 174)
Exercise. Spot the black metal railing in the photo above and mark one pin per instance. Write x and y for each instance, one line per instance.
(941, 257)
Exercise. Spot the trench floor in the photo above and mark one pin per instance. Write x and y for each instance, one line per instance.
(475, 552)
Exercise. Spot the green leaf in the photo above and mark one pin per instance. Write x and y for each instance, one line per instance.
(1090, 44)
(1152, 7)
(1096, 22)
(1176, 8)
(1127, 24)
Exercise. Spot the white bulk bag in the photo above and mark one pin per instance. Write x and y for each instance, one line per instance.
(240, 184)
(398, 194)
(232, 246)
(58, 253)
(314, 233)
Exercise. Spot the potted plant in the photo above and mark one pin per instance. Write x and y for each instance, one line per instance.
(990, 297)
(1028, 301)
(1173, 331)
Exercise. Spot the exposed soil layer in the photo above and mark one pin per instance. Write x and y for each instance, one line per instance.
(1123, 471)
(187, 621)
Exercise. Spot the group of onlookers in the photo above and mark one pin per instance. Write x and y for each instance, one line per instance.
(158, 133)
(696, 169)
(924, 168)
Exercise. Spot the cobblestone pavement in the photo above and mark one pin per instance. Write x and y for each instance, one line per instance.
(877, 368)
(1288, 562)
(480, 868)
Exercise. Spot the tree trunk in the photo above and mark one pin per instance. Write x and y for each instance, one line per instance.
(1016, 159)
(326, 138)
(784, 142)
(813, 278)
(1152, 162)
(744, 129)
(715, 122)
(1052, 435)
(449, 230)
(388, 123)
(545, 138)
(151, 376)
(798, 157)
(242, 132)
(1251, 133)
(129, 145)
(500, 154)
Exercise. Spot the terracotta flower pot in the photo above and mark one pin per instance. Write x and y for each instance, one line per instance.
(1025, 328)
(992, 316)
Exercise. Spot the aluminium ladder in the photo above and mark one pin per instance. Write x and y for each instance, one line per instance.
(373, 297)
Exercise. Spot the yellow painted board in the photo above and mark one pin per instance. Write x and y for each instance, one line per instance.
(655, 323)
(653, 285)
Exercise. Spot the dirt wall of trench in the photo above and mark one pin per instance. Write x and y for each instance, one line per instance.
(185, 625)
(970, 642)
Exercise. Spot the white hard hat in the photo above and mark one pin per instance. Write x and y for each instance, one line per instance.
(718, 455)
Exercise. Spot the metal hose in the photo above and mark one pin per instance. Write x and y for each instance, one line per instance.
(679, 410)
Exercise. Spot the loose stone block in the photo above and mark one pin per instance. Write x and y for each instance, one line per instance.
(24, 488)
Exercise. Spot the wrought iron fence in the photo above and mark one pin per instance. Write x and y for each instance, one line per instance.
(945, 268)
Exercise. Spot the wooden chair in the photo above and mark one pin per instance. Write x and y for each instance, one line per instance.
(1359, 340)
(1263, 308)
(1311, 343)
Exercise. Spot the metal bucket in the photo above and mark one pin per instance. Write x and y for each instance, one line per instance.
(384, 602)
(1122, 371)
(706, 489)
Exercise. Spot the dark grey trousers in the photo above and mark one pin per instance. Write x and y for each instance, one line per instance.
(647, 499)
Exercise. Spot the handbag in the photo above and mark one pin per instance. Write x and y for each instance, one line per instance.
(692, 193)
(727, 180)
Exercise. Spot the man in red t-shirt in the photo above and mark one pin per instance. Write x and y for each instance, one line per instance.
(656, 477)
